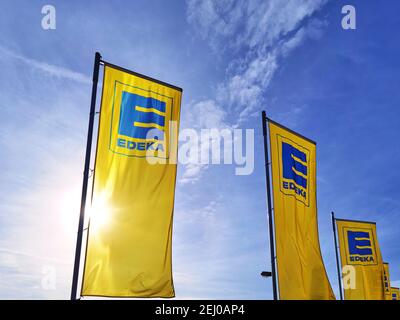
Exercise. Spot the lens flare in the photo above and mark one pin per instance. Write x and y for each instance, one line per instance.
(100, 212)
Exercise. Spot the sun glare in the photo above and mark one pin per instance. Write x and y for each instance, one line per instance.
(99, 212)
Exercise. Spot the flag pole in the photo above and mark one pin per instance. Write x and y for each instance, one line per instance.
(85, 177)
(337, 256)
(271, 229)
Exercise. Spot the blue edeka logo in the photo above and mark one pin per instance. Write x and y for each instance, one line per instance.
(141, 118)
(294, 163)
(360, 247)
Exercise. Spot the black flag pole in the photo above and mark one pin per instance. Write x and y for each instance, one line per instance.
(337, 256)
(75, 277)
(271, 229)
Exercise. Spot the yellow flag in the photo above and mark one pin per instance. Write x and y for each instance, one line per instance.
(130, 232)
(395, 293)
(359, 249)
(386, 281)
(301, 270)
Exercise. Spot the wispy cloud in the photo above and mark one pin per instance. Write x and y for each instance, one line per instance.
(26, 276)
(206, 264)
(41, 224)
(41, 184)
(233, 24)
(52, 70)
(6, 251)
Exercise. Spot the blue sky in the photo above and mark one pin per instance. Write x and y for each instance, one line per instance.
(291, 58)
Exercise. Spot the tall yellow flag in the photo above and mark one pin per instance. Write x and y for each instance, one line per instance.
(301, 270)
(130, 232)
(386, 281)
(359, 248)
(395, 293)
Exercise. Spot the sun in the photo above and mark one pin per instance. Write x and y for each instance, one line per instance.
(100, 212)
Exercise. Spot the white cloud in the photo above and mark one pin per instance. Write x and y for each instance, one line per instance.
(215, 19)
(267, 31)
(205, 114)
(242, 92)
(268, 21)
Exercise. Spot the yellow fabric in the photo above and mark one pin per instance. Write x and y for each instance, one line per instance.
(130, 232)
(301, 271)
(395, 293)
(386, 281)
(369, 280)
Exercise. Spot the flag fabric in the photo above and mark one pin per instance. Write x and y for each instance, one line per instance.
(386, 281)
(359, 248)
(129, 246)
(395, 293)
(300, 267)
